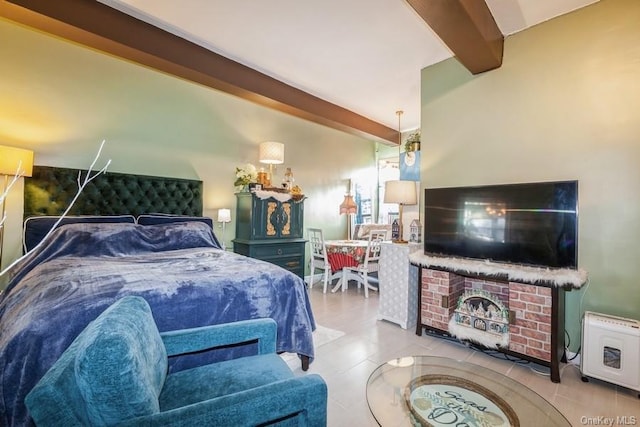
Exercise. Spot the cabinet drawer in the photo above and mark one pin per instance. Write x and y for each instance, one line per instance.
(283, 253)
(268, 251)
(289, 263)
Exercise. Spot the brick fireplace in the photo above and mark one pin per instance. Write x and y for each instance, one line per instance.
(529, 307)
(529, 299)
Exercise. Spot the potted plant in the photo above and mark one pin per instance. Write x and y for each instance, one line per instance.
(413, 142)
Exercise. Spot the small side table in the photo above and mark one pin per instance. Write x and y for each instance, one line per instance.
(398, 301)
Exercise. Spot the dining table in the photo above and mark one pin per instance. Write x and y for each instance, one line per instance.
(343, 254)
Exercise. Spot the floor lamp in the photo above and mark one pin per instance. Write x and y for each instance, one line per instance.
(15, 163)
(402, 193)
(224, 216)
(348, 207)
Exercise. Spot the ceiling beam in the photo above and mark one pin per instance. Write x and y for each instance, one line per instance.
(467, 27)
(101, 27)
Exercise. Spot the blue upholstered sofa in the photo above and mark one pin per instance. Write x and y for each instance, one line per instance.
(115, 373)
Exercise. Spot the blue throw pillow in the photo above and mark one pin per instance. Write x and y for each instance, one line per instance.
(155, 219)
(159, 218)
(121, 363)
(36, 227)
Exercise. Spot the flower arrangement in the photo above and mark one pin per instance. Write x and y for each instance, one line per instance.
(245, 175)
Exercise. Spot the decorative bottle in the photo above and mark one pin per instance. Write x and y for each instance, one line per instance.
(287, 181)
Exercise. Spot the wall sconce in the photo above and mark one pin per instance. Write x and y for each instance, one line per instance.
(14, 162)
(348, 207)
(271, 153)
(402, 193)
(224, 216)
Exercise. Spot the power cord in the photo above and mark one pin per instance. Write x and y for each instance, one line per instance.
(497, 354)
(567, 336)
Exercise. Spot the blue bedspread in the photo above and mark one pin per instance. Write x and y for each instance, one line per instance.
(178, 268)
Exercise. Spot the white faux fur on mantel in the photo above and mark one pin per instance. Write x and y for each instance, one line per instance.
(511, 272)
(484, 338)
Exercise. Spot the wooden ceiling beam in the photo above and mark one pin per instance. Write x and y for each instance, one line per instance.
(467, 27)
(101, 27)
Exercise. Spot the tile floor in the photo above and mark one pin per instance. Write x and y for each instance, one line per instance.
(347, 362)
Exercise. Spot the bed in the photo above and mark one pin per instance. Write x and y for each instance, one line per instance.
(173, 260)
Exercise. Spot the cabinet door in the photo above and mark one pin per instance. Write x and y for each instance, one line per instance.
(277, 220)
(295, 214)
(268, 218)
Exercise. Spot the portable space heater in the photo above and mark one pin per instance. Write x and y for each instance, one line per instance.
(611, 349)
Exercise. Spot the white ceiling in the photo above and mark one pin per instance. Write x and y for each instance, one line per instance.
(364, 55)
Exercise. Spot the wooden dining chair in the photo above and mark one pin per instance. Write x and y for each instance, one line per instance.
(370, 264)
(319, 257)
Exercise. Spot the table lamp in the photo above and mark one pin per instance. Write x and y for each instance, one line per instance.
(224, 216)
(271, 153)
(348, 207)
(402, 193)
(14, 162)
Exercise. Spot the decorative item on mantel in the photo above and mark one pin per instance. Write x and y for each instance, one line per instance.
(481, 317)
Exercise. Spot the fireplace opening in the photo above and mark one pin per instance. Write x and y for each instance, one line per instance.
(481, 317)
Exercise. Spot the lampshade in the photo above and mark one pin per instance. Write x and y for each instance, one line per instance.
(401, 192)
(10, 159)
(348, 205)
(272, 152)
(224, 215)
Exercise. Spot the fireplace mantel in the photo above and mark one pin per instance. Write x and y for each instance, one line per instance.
(538, 276)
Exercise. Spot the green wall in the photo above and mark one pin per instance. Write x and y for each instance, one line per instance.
(564, 105)
(61, 100)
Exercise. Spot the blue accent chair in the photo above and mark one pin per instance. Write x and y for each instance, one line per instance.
(115, 373)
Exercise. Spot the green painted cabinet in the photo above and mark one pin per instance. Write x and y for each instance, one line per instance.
(271, 230)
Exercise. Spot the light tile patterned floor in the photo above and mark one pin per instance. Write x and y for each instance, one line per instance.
(347, 362)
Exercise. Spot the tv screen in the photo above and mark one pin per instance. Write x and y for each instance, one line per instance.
(533, 223)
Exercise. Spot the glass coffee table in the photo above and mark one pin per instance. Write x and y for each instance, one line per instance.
(437, 391)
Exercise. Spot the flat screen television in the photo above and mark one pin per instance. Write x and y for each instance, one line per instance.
(532, 223)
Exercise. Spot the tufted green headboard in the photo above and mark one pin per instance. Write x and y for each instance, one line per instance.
(50, 190)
